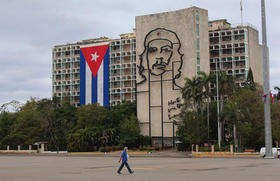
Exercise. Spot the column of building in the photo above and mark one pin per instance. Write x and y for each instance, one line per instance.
(66, 73)
(229, 51)
(122, 69)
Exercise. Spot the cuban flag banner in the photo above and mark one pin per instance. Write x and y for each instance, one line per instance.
(94, 74)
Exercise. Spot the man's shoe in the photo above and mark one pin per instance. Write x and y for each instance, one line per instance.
(119, 172)
(131, 172)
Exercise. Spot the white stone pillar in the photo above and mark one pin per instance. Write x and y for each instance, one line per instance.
(212, 148)
(42, 147)
(18, 147)
(231, 149)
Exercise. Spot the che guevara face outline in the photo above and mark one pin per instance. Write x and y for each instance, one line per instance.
(161, 53)
(158, 56)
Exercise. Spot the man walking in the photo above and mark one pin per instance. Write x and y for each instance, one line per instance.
(124, 160)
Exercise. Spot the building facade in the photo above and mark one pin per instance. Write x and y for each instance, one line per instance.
(66, 69)
(170, 46)
(66, 72)
(122, 69)
(235, 50)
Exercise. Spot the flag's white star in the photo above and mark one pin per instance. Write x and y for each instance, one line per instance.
(94, 57)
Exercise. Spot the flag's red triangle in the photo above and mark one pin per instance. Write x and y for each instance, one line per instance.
(94, 56)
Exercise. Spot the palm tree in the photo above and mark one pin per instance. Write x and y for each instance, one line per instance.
(233, 114)
(197, 90)
(226, 88)
(192, 93)
(204, 80)
(226, 85)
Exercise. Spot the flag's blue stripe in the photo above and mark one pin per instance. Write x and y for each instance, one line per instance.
(94, 89)
(106, 79)
(82, 79)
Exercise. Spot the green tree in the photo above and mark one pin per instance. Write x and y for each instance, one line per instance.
(92, 115)
(6, 122)
(130, 132)
(204, 84)
(196, 92)
(27, 125)
(250, 83)
(226, 87)
(192, 93)
(232, 116)
(64, 121)
(250, 117)
(191, 130)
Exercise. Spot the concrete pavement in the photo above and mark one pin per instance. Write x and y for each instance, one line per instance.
(62, 168)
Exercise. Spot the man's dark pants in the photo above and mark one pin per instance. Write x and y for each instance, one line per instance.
(127, 166)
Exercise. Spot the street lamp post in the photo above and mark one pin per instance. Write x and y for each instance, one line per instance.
(218, 106)
(266, 78)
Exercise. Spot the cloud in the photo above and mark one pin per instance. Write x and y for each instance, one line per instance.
(31, 28)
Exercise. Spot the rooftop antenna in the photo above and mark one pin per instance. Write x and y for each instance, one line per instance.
(241, 10)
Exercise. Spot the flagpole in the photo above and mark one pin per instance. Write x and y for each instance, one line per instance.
(241, 9)
(266, 78)
(218, 108)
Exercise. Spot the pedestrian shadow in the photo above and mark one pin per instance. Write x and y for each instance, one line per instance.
(125, 174)
(101, 167)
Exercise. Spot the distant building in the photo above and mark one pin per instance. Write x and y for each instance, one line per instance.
(170, 46)
(66, 69)
(235, 50)
(66, 72)
(122, 69)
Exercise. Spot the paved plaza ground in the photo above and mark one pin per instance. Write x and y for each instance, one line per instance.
(84, 168)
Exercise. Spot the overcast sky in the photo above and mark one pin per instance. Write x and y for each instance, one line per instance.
(30, 28)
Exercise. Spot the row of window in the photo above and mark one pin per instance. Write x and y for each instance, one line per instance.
(127, 41)
(69, 82)
(237, 58)
(216, 40)
(126, 47)
(236, 45)
(66, 48)
(69, 71)
(123, 66)
(228, 65)
(67, 53)
(66, 65)
(226, 33)
(216, 53)
(75, 59)
(237, 72)
(123, 54)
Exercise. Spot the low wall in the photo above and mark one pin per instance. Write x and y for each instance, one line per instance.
(17, 151)
(224, 155)
(20, 151)
(229, 154)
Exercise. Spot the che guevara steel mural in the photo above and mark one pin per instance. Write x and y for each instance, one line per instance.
(160, 64)
(161, 46)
